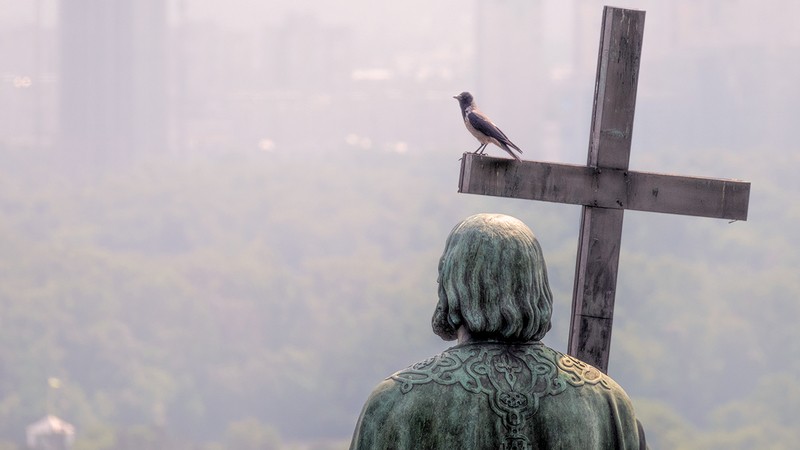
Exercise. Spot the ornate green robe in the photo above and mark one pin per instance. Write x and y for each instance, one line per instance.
(493, 395)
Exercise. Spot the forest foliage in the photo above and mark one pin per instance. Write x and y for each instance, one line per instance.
(243, 300)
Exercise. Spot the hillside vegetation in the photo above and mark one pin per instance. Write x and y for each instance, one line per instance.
(240, 301)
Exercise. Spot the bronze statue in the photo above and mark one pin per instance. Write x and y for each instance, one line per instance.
(499, 387)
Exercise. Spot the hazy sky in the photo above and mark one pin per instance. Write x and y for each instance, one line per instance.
(717, 75)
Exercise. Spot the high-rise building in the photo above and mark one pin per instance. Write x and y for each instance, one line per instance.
(113, 77)
(27, 74)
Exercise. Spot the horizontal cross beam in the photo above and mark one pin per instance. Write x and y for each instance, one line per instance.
(604, 188)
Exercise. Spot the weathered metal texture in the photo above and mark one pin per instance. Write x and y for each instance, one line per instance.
(605, 188)
(510, 395)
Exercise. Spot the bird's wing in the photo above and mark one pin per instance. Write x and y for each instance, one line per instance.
(481, 122)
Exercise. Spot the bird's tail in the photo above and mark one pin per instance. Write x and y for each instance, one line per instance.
(511, 144)
(511, 152)
(505, 147)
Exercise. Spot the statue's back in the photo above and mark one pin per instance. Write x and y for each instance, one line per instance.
(490, 395)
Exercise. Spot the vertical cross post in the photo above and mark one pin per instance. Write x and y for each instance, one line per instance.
(609, 148)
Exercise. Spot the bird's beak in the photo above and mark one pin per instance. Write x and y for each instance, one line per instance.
(455, 97)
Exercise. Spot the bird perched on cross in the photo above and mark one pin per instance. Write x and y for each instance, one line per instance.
(484, 130)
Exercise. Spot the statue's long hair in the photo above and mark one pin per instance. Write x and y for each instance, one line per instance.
(493, 280)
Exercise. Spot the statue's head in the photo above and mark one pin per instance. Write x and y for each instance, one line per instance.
(493, 281)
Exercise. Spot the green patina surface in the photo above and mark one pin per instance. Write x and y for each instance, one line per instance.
(493, 395)
(500, 387)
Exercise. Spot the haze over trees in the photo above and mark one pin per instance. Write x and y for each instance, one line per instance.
(248, 283)
(204, 296)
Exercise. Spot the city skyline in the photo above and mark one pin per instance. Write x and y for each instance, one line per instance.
(257, 83)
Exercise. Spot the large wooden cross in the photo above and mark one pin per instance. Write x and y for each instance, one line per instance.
(605, 187)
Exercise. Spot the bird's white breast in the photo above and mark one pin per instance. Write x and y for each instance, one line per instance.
(482, 138)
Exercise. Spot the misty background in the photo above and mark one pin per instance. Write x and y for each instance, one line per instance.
(220, 225)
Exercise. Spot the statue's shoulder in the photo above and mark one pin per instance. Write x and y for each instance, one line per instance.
(578, 373)
(383, 397)
(472, 365)
(453, 366)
